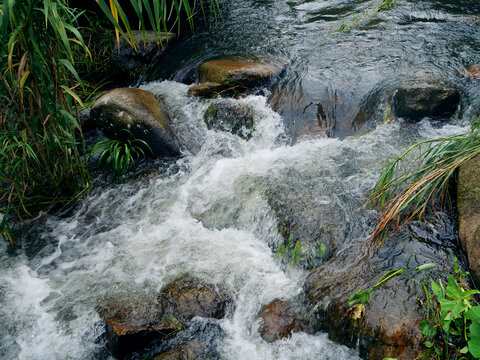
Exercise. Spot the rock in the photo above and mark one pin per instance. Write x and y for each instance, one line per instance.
(133, 63)
(85, 120)
(129, 329)
(208, 90)
(191, 351)
(229, 116)
(279, 320)
(473, 72)
(139, 112)
(423, 96)
(188, 297)
(232, 75)
(389, 327)
(468, 205)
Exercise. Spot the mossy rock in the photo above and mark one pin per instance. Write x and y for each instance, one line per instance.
(228, 116)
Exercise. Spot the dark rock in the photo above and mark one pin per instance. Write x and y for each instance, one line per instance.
(188, 297)
(149, 49)
(85, 121)
(423, 97)
(468, 205)
(279, 320)
(232, 117)
(191, 351)
(129, 329)
(140, 113)
(389, 327)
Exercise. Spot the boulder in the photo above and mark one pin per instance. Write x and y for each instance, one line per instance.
(421, 97)
(129, 329)
(389, 326)
(232, 117)
(279, 320)
(188, 297)
(232, 76)
(123, 110)
(133, 62)
(468, 206)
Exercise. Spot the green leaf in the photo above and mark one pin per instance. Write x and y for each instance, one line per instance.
(474, 342)
(428, 329)
(360, 297)
(424, 267)
(473, 314)
(453, 290)
(438, 289)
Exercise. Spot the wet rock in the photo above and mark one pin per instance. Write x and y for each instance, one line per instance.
(233, 74)
(198, 341)
(208, 90)
(133, 63)
(129, 329)
(279, 320)
(473, 72)
(124, 110)
(389, 327)
(188, 297)
(468, 205)
(229, 116)
(424, 96)
(190, 351)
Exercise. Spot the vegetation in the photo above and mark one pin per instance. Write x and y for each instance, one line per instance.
(360, 18)
(117, 157)
(405, 195)
(41, 90)
(451, 328)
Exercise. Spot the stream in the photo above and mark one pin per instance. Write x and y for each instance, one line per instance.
(214, 211)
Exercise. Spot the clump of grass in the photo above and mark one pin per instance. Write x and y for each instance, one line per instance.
(359, 18)
(406, 194)
(116, 157)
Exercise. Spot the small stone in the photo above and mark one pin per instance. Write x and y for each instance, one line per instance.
(232, 117)
(207, 90)
(473, 72)
(279, 320)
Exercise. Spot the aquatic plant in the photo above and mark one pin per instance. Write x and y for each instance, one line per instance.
(116, 157)
(403, 193)
(359, 18)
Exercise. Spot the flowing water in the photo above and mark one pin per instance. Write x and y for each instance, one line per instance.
(213, 212)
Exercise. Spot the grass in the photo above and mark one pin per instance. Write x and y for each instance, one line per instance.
(403, 194)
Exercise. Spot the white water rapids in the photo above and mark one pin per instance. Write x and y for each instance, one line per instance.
(208, 215)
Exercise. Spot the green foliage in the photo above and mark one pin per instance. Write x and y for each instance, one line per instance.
(157, 15)
(452, 327)
(358, 18)
(116, 157)
(405, 195)
(40, 163)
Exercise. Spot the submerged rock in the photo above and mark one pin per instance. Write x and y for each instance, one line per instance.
(389, 326)
(468, 205)
(188, 297)
(229, 116)
(129, 330)
(124, 110)
(279, 320)
(232, 76)
(424, 96)
(133, 62)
